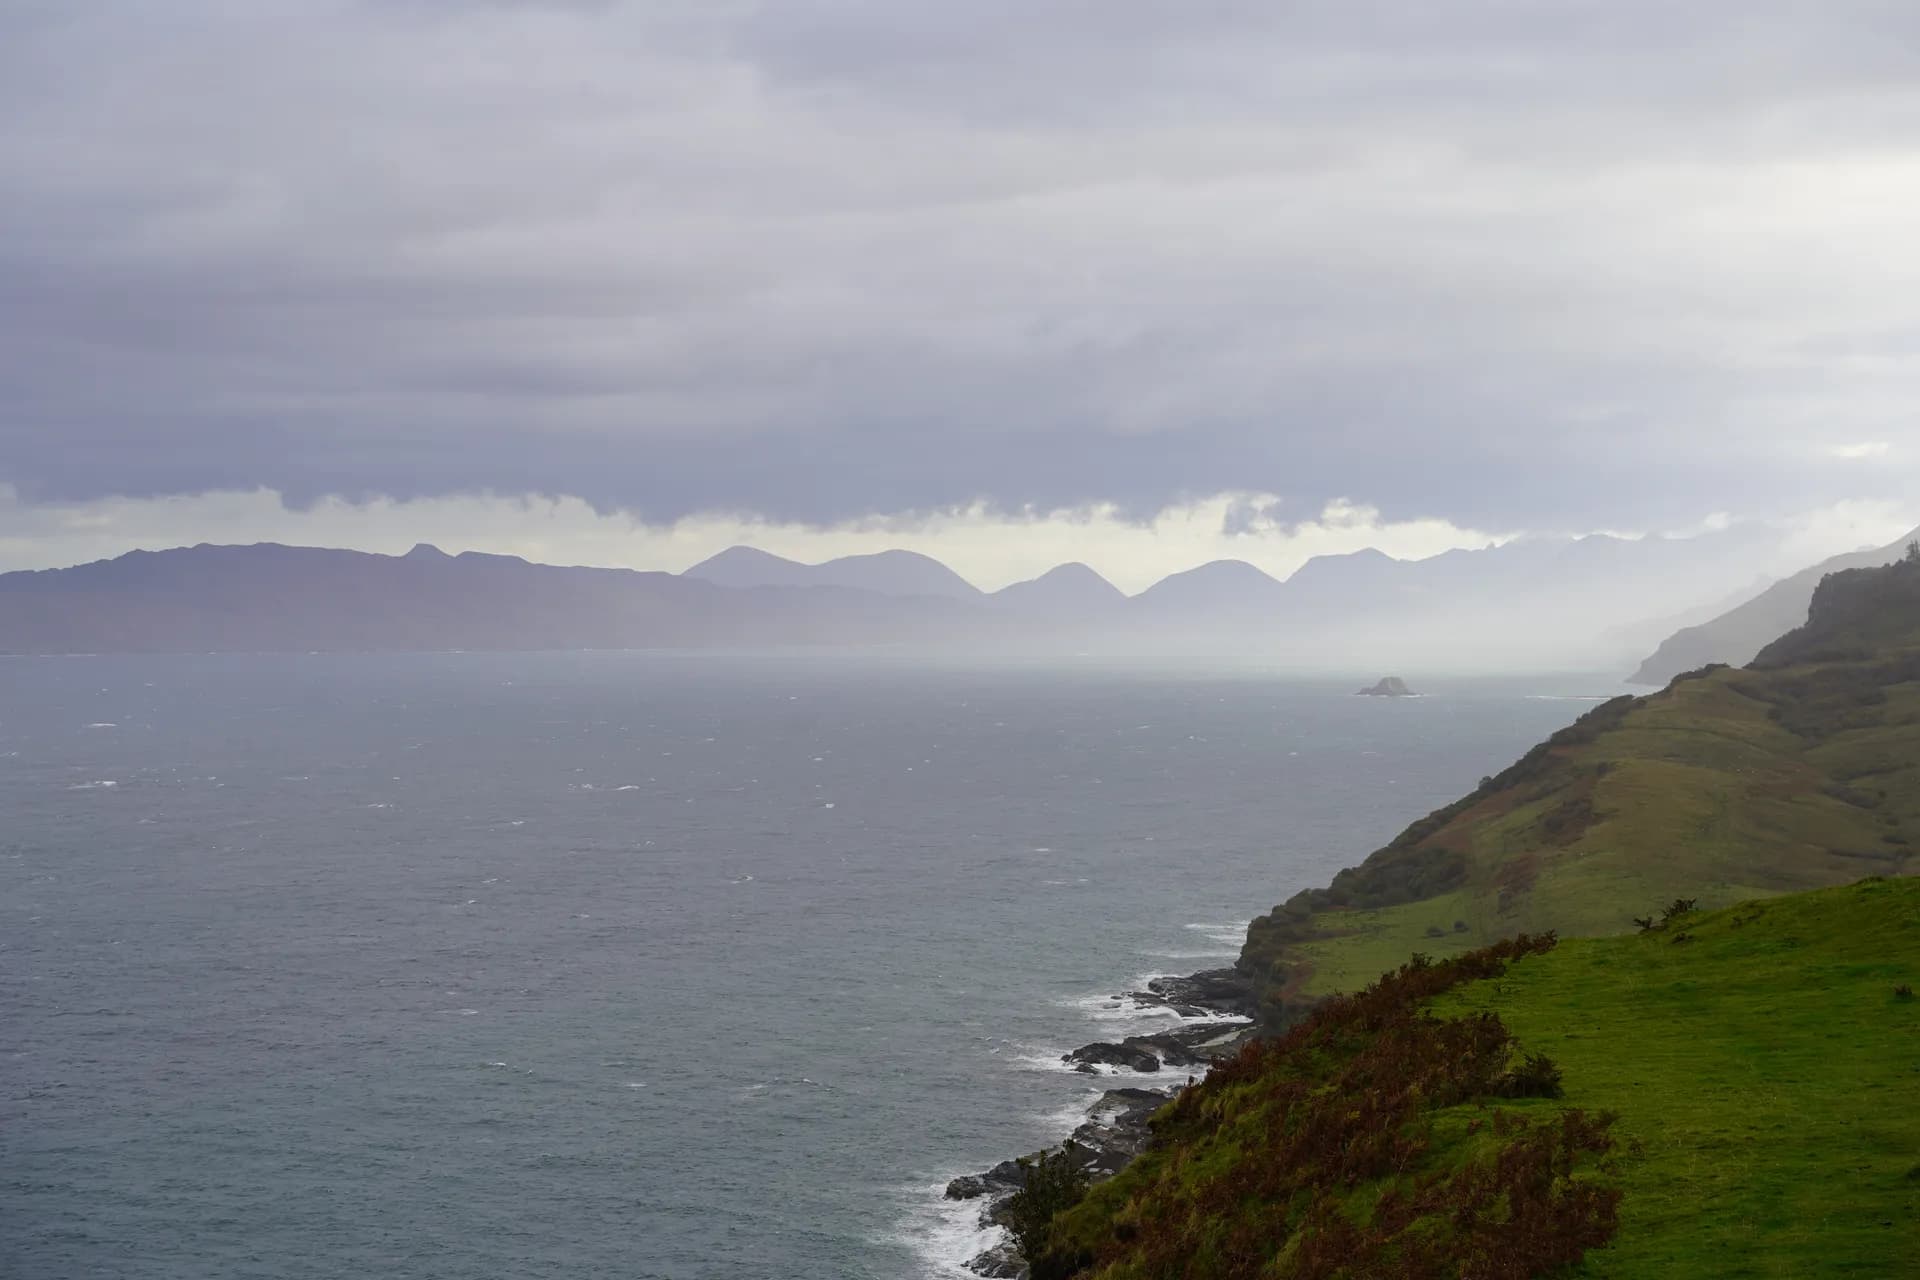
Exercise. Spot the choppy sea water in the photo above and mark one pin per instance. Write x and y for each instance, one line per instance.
(622, 965)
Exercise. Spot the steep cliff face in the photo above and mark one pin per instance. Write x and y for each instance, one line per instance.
(1740, 633)
(1855, 613)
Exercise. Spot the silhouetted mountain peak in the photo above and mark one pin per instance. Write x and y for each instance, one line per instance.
(1073, 571)
(1227, 586)
(892, 573)
(1064, 587)
(896, 573)
(1228, 570)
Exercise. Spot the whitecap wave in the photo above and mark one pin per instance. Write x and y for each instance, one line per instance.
(1073, 1114)
(942, 1234)
(778, 1086)
(1109, 1008)
(1227, 933)
(96, 785)
(1053, 1061)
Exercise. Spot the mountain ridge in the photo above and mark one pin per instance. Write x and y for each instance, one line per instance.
(1518, 605)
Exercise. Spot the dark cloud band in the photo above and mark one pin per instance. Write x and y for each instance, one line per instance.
(1511, 265)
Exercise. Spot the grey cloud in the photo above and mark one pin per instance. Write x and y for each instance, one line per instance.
(1513, 264)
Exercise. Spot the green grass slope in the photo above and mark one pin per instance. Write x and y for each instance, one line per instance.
(1764, 1073)
(1737, 1101)
(1727, 785)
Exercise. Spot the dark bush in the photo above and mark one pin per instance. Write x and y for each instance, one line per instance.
(1535, 1076)
(1903, 992)
(1055, 1181)
(1677, 908)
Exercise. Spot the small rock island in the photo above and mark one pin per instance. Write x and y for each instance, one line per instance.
(1389, 687)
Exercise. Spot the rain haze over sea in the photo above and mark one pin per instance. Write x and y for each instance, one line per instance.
(623, 965)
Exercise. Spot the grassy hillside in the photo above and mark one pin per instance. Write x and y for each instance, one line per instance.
(1727, 785)
(1736, 1096)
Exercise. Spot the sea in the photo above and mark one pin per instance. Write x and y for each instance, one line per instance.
(627, 965)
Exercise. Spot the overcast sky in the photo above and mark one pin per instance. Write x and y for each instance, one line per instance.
(854, 272)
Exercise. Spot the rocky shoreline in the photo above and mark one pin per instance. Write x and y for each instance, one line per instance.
(1218, 1007)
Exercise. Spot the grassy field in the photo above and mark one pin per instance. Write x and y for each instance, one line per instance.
(1766, 1078)
(1760, 1068)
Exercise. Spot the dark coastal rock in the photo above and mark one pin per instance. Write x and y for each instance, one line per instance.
(1118, 1125)
(1128, 1053)
(1182, 1047)
(1117, 1129)
(1389, 687)
(1002, 1262)
(1114, 1132)
(1211, 991)
(1207, 1042)
(1003, 1179)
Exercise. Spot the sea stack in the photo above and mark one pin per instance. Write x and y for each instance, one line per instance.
(1389, 687)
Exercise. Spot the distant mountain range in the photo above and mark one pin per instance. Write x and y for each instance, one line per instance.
(1571, 603)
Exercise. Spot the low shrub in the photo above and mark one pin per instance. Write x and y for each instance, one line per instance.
(1677, 908)
(1536, 1076)
(1055, 1182)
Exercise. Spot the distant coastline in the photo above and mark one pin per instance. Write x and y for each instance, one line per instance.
(1586, 604)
